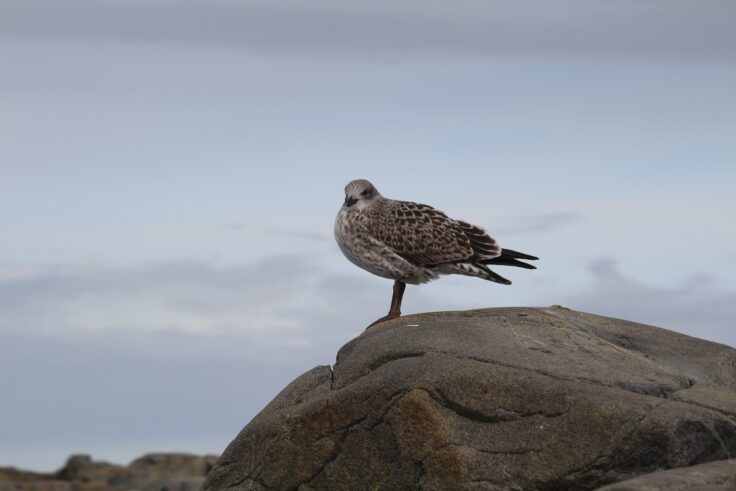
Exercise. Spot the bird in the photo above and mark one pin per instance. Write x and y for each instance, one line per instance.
(413, 243)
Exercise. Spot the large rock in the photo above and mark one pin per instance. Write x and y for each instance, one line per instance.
(497, 399)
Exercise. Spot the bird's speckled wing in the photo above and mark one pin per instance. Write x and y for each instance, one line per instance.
(426, 236)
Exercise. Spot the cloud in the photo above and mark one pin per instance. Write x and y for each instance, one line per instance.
(193, 296)
(538, 223)
(329, 27)
(697, 306)
(292, 302)
(278, 232)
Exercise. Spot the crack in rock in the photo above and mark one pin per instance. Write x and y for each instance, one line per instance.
(501, 415)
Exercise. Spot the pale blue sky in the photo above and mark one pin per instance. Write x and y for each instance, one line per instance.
(171, 171)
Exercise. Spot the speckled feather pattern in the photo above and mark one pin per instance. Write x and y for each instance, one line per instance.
(412, 242)
(424, 235)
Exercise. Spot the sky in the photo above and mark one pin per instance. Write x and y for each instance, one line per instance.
(170, 172)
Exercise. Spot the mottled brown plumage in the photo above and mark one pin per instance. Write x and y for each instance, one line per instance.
(426, 236)
(414, 243)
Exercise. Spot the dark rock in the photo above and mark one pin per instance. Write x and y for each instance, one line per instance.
(42, 485)
(170, 466)
(186, 484)
(497, 399)
(11, 474)
(152, 472)
(83, 469)
(714, 476)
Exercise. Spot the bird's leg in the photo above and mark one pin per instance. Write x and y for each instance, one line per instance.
(399, 287)
(395, 310)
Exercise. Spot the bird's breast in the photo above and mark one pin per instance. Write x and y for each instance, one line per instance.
(348, 234)
(357, 245)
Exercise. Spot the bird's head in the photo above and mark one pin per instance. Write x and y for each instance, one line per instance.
(359, 194)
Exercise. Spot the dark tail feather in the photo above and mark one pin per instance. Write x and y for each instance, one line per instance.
(517, 255)
(493, 276)
(508, 261)
(511, 258)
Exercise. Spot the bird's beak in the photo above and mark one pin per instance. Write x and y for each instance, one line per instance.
(350, 201)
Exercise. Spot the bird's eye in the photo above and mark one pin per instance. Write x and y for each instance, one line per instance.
(364, 193)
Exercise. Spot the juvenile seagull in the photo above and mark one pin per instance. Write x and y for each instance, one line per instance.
(414, 243)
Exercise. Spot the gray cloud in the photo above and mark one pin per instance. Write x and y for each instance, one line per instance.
(276, 231)
(197, 287)
(289, 302)
(668, 28)
(538, 223)
(696, 306)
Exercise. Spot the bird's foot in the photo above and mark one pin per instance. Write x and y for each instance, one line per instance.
(384, 318)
